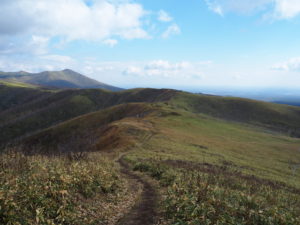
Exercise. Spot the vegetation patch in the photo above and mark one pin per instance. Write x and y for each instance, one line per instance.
(56, 190)
(215, 197)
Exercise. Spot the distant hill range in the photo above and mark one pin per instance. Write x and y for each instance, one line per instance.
(58, 79)
(26, 109)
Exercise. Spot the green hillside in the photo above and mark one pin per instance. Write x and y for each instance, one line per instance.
(182, 135)
(209, 170)
(14, 94)
(174, 157)
(272, 116)
(26, 111)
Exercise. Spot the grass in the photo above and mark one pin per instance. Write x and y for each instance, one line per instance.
(200, 138)
(207, 194)
(17, 84)
(57, 190)
(214, 171)
(218, 160)
(26, 111)
(272, 116)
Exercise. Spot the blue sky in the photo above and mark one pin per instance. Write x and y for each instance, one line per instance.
(156, 43)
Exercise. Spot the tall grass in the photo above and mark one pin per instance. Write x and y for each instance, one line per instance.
(52, 190)
(208, 194)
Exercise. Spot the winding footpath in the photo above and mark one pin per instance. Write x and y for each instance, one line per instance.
(144, 211)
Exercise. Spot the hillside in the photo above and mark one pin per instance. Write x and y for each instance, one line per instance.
(198, 160)
(28, 110)
(156, 156)
(281, 118)
(59, 79)
(175, 131)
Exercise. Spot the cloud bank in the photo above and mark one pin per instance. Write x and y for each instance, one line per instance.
(291, 65)
(72, 20)
(167, 69)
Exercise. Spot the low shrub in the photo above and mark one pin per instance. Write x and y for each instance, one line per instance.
(47, 190)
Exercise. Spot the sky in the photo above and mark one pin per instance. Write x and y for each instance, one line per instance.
(183, 44)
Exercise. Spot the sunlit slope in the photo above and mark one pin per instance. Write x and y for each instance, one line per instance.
(161, 132)
(277, 117)
(203, 139)
(34, 109)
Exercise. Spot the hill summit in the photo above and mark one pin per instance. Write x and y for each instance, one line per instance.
(60, 79)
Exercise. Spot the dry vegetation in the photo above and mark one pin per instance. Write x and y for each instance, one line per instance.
(60, 190)
(208, 194)
(211, 171)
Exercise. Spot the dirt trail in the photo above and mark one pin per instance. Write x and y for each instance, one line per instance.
(144, 211)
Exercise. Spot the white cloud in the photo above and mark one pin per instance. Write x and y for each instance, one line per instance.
(292, 64)
(66, 60)
(215, 7)
(166, 65)
(36, 63)
(35, 45)
(110, 42)
(133, 70)
(173, 29)
(239, 6)
(287, 9)
(72, 20)
(276, 9)
(38, 45)
(163, 16)
(167, 69)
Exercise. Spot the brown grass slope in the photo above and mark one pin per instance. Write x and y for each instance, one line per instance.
(47, 110)
(116, 127)
(43, 109)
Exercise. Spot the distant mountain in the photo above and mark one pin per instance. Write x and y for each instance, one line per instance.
(59, 79)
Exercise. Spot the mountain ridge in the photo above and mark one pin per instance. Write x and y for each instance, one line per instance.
(66, 78)
(34, 109)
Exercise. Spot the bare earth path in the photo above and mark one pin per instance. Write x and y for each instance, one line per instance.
(144, 211)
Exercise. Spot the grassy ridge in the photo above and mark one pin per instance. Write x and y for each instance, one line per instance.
(31, 110)
(43, 110)
(179, 135)
(16, 94)
(199, 138)
(218, 160)
(213, 171)
(92, 130)
(272, 116)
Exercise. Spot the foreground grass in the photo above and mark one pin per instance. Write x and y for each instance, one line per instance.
(208, 194)
(57, 190)
(211, 171)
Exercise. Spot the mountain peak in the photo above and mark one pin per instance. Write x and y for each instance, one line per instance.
(66, 78)
(68, 71)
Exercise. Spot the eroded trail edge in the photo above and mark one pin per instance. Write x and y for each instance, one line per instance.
(144, 211)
